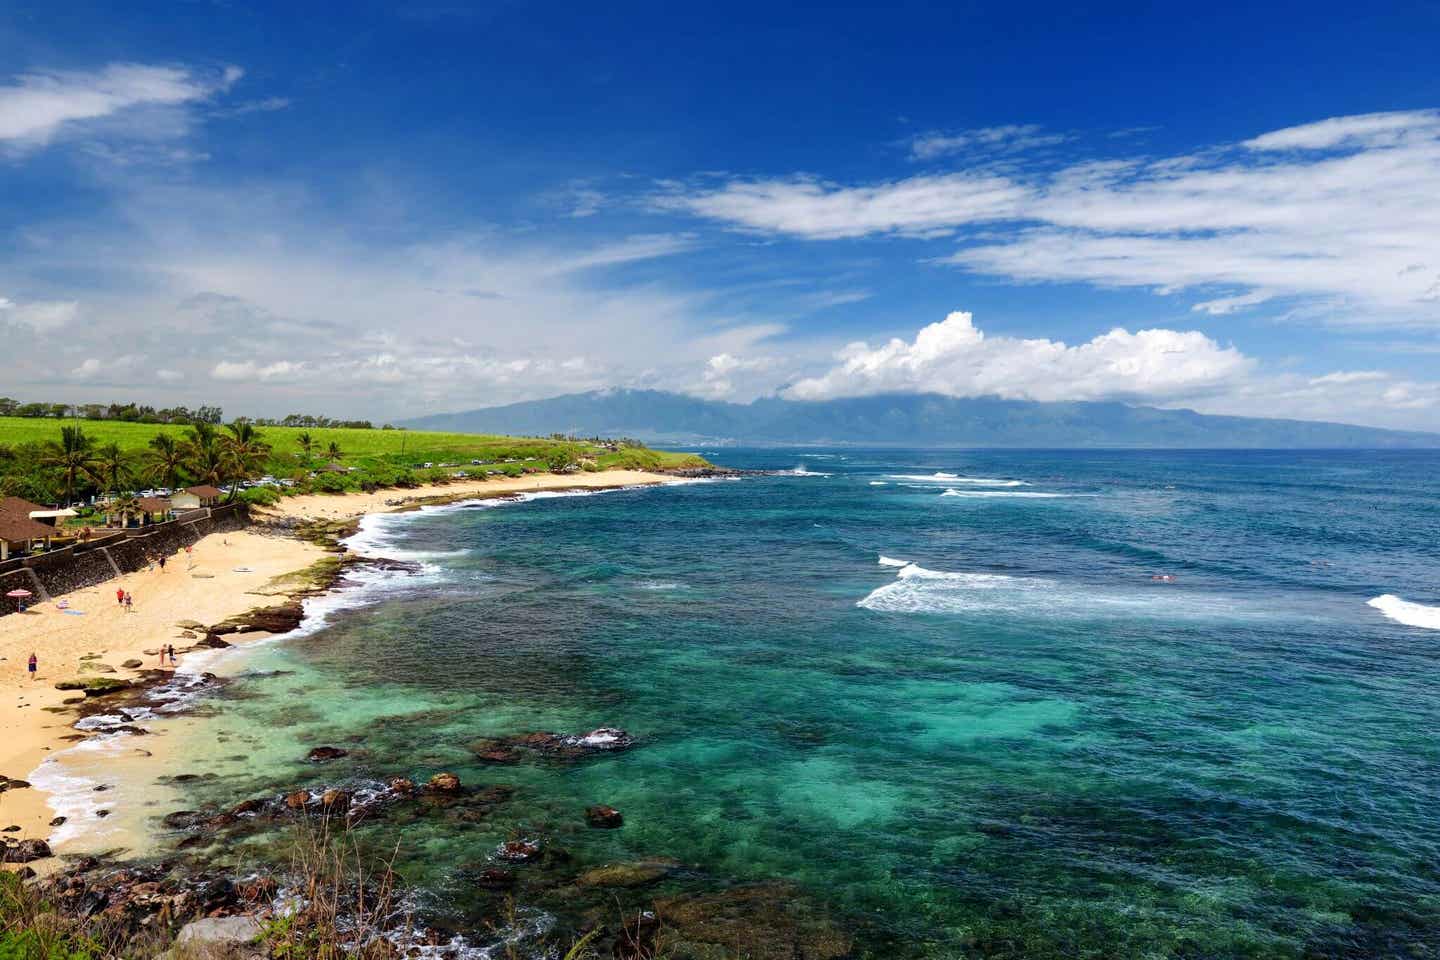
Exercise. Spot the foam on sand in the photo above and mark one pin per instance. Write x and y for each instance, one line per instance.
(1406, 612)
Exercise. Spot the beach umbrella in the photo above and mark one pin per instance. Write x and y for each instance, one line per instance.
(18, 594)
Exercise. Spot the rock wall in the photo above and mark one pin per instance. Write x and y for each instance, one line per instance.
(86, 565)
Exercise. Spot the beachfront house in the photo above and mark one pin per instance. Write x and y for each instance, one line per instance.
(193, 498)
(18, 533)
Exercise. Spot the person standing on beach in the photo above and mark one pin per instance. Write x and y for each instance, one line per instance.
(34, 662)
(162, 563)
(129, 603)
(170, 648)
(120, 596)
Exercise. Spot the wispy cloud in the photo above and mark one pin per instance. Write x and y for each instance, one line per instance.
(1341, 212)
(36, 107)
(1010, 138)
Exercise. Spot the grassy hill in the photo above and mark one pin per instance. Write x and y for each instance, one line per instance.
(380, 458)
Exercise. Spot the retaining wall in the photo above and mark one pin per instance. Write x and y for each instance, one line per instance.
(80, 565)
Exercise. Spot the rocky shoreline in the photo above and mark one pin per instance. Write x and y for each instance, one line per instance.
(630, 909)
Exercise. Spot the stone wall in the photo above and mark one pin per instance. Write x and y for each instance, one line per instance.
(86, 565)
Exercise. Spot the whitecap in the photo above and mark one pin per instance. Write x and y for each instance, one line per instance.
(892, 562)
(800, 471)
(953, 478)
(878, 483)
(1406, 612)
(982, 494)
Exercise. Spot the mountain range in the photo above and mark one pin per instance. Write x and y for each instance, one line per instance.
(918, 420)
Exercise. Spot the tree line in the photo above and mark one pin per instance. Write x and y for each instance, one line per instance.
(75, 465)
(180, 415)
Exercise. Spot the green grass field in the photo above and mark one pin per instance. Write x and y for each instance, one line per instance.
(358, 446)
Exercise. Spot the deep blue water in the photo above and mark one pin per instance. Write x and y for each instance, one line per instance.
(1008, 739)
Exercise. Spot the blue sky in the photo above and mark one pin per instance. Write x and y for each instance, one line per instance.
(383, 210)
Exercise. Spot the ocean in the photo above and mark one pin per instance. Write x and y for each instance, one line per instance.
(958, 704)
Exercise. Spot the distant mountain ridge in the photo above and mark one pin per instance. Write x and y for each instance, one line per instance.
(918, 420)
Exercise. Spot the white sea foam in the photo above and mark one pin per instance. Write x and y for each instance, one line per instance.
(1406, 612)
(917, 589)
(878, 483)
(659, 585)
(892, 562)
(982, 494)
(801, 471)
(953, 478)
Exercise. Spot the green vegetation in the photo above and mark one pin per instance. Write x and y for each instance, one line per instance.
(48, 461)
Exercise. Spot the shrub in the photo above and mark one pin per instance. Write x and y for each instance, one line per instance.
(260, 496)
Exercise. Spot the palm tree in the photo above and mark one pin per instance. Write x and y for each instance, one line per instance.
(332, 452)
(246, 452)
(307, 445)
(71, 456)
(204, 459)
(110, 469)
(122, 507)
(167, 457)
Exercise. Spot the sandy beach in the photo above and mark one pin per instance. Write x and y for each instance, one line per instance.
(227, 575)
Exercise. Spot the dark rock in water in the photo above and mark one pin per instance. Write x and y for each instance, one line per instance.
(444, 783)
(183, 819)
(101, 787)
(493, 794)
(494, 751)
(212, 642)
(277, 619)
(603, 817)
(335, 801)
(771, 921)
(298, 800)
(518, 851)
(102, 814)
(25, 851)
(402, 786)
(568, 746)
(132, 664)
(636, 874)
(495, 878)
(323, 754)
(57, 821)
(13, 785)
(247, 806)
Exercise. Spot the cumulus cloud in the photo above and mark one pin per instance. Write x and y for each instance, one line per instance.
(718, 379)
(248, 370)
(956, 358)
(1341, 213)
(35, 107)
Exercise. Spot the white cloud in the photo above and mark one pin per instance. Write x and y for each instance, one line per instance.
(169, 376)
(1007, 138)
(1340, 214)
(37, 106)
(718, 379)
(94, 368)
(249, 370)
(956, 358)
(808, 207)
(42, 316)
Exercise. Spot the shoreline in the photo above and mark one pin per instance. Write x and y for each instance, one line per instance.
(233, 574)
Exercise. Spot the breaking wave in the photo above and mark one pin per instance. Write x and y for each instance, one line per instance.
(979, 494)
(950, 478)
(1406, 612)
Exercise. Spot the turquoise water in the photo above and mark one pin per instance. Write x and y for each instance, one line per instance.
(1005, 740)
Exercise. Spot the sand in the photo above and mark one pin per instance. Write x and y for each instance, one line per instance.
(33, 721)
(338, 507)
(28, 731)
